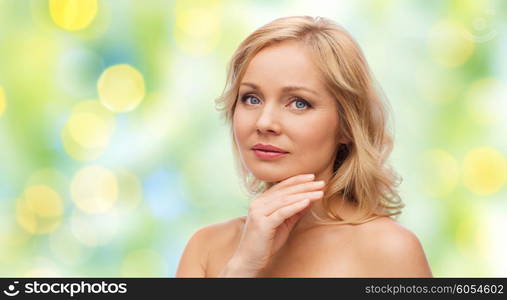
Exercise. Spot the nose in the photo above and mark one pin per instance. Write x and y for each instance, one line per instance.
(268, 120)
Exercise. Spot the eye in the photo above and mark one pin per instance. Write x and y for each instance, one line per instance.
(246, 97)
(301, 104)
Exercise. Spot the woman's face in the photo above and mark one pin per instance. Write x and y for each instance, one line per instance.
(302, 120)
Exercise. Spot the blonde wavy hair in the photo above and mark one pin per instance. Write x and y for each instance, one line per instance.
(360, 172)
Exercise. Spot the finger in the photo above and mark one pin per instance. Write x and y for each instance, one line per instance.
(293, 189)
(292, 220)
(293, 180)
(270, 208)
(301, 188)
(279, 216)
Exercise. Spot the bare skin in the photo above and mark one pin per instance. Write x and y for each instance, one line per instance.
(337, 251)
(378, 248)
(279, 236)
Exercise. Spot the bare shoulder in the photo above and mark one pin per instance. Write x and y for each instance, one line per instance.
(386, 229)
(389, 249)
(203, 243)
(218, 233)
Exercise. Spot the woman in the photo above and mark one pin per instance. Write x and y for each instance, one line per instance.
(310, 139)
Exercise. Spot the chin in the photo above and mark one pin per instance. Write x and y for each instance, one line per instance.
(271, 176)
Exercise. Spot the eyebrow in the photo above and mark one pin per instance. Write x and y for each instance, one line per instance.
(284, 89)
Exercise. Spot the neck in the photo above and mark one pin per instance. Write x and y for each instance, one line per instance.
(339, 205)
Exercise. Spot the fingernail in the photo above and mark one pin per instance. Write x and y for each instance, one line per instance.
(310, 176)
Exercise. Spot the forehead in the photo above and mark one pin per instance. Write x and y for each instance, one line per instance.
(285, 63)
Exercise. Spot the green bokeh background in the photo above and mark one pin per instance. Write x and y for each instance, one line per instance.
(441, 64)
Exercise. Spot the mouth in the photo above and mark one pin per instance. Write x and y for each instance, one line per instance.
(268, 152)
(268, 155)
(268, 148)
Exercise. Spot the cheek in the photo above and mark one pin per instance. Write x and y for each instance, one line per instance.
(316, 139)
(317, 135)
(240, 125)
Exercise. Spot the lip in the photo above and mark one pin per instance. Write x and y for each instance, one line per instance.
(268, 155)
(268, 152)
(268, 148)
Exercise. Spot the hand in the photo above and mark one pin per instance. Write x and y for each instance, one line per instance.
(271, 217)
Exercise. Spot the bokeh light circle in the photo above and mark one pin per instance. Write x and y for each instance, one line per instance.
(448, 46)
(88, 131)
(94, 189)
(39, 210)
(121, 88)
(486, 101)
(73, 15)
(197, 29)
(440, 172)
(484, 171)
